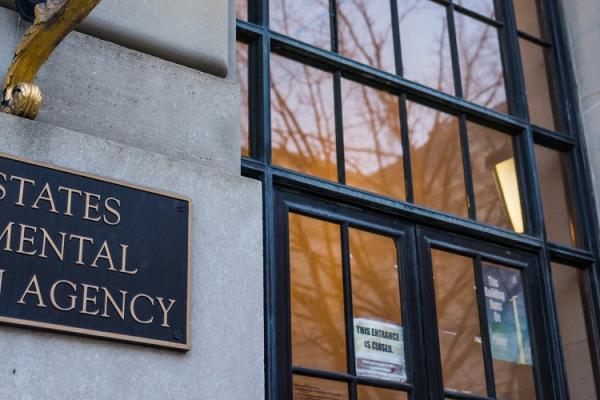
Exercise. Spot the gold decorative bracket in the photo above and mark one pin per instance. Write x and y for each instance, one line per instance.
(54, 19)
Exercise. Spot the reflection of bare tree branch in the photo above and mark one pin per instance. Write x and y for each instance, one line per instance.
(317, 298)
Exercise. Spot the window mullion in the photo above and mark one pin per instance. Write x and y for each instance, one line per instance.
(454, 51)
(466, 157)
(397, 38)
(339, 127)
(263, 94)
(404, 131)
(509, 44)
(483, 326)
(348, 311)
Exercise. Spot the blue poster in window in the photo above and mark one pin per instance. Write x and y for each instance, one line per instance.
(507, 315)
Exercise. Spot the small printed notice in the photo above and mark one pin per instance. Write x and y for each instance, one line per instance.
(379, 348)
(507, 315)
(317, 391)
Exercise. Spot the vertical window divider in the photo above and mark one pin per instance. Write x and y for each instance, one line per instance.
(510, 50)
(545, 339)
(333, 27)
(337, 97)
(404, 132)
(339, 127)
(396, 38)
(463, 121)
(255, 88)
(483, 326)
(278, 383)
(348, 311)
(527, 177)
(278, 323)
(553, 322)
(253, 10)
(409, 284)
(559, 63)
(429, 317)
(466, 156)
(453, 39)
(263, 134)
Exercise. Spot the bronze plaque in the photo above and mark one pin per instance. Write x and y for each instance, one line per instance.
(93, 256)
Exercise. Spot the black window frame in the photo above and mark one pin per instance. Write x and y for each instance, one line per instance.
(289, 201)
(255, 32)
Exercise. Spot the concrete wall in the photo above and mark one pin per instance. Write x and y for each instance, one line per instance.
(583, 25)
(193, 33)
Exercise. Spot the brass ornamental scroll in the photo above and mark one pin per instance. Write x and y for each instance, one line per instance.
(54, 19)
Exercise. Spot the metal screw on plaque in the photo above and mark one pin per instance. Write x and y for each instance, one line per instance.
(177, 335)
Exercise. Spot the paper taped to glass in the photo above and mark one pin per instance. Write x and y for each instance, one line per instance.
(379, 350)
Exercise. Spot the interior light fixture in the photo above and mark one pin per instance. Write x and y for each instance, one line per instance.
(508, 186)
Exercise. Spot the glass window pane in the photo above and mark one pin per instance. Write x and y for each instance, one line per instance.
(426, 52)
(495, 181)
(241, 51)
(480, 63)
(556, 196)
(378, 330)
(305, 20)
(538, 85)
(241, 9)
(572, 301)
(436, 159)
(302, 118)
(483, 7)
(365, 32)
(509, 333)
(528, 16)
(373, 393)
(372, 140)
(458, 323)
(307, 388)
(317, 296)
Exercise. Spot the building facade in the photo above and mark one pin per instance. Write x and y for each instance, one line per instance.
(409, 211)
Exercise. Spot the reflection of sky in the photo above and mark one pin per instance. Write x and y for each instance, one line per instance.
(425, 47)
(302, 115)
(371, 128)
(422, 121)
(483, 7)
(366, 32)
(306, 20)
(480, 62)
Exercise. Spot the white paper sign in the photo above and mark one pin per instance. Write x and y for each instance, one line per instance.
(379, 348)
